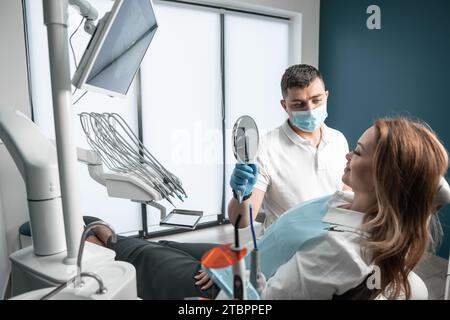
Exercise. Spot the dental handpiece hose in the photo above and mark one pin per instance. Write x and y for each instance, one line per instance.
(239, 285)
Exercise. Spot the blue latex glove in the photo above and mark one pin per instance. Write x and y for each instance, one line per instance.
(244, 178)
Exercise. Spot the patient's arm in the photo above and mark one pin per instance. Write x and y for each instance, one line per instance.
(234, 208)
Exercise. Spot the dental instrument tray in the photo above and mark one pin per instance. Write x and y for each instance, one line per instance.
(186, 219)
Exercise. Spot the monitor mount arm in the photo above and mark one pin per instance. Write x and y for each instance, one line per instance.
(88, 12)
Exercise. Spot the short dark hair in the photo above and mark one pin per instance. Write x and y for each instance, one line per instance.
(299, 75)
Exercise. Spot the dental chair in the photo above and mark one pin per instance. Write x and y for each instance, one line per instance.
(419, 290)
(442, 199)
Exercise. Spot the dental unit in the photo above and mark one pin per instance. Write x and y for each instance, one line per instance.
(58, 252)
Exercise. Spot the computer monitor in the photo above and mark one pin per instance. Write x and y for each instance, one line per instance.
(117, 47)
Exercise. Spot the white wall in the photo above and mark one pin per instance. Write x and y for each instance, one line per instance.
(13, 93)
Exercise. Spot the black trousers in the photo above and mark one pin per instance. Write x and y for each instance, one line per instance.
(164, 269)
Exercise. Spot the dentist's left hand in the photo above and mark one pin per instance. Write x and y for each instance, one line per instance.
(203, 280)
(244, 178)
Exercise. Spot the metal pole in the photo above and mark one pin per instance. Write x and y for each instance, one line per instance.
(55, 18)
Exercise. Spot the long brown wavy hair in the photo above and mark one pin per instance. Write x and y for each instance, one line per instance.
(408, 162)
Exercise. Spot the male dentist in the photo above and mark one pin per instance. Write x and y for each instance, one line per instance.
(301, 160)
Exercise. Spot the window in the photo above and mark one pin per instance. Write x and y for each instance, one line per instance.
(256, 56)
(204, 68)
(181, 103)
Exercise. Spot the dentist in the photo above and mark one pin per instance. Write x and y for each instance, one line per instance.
(301, 160)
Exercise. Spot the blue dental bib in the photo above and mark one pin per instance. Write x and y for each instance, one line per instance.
(290, 232)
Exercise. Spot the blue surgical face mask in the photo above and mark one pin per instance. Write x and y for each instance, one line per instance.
(310, 121)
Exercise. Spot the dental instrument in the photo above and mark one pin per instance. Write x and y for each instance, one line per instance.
(254, 255)
(239, 275)
(120, 149)
(255, 243)
(218, 263)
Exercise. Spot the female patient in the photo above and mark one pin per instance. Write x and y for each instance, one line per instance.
(384, 225)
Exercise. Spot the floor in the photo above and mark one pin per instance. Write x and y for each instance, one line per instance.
(432, 269)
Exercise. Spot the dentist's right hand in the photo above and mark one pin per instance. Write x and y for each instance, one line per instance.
(244, 178)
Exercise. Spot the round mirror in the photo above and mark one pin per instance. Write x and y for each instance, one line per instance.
(245, 139)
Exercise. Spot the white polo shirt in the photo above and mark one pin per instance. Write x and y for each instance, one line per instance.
(331, 265)
(292, 170)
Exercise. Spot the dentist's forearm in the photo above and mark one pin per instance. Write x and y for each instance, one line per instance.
(235, 208)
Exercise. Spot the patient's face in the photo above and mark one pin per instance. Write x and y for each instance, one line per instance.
(359, 170)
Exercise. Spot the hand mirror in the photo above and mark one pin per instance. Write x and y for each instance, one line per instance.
(245, 142)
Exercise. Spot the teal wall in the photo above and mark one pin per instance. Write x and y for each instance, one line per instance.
(402, 69)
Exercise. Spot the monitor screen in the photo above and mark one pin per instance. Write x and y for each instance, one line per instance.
(117, 48)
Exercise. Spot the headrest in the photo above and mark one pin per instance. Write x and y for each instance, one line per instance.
(442, 197)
